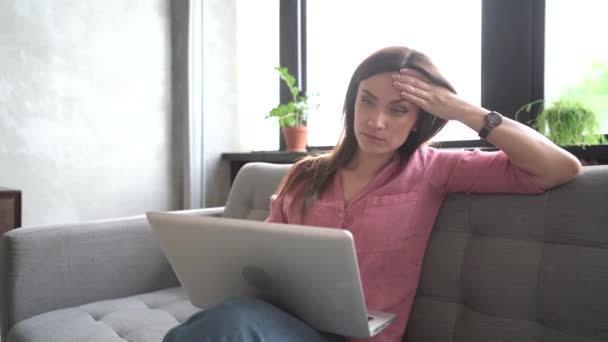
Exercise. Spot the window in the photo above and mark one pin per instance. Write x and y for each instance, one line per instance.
(576, 55)
(256, 89)
(340, 34)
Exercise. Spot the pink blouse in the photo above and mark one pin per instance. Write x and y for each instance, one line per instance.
(392, 217)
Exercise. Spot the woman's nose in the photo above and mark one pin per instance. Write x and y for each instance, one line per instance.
(377, 120)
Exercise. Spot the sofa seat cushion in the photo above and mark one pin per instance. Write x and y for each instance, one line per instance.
(141, 318)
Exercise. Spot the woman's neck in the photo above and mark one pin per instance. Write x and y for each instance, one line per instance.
(368, 165)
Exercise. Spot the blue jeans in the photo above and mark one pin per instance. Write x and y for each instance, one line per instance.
(246, 320)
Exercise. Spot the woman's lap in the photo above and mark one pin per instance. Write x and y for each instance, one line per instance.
(245, 320)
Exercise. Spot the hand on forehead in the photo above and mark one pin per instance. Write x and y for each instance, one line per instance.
(413, 73)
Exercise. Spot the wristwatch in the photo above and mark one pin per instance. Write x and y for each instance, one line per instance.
(492, 120)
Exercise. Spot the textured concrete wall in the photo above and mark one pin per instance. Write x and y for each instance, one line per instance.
(220, 120)
(86, 126)
(240, 50)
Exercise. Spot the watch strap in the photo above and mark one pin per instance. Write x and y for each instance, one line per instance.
(483, 133)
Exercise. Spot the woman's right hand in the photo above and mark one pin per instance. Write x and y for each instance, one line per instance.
(432, 98)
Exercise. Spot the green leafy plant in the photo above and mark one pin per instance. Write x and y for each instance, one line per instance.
(295, 112)
(592, 90)
(566, 122)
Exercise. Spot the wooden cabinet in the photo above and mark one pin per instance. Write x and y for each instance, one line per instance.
(10, 209)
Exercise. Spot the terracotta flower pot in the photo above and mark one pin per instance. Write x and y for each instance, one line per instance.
(295, 138)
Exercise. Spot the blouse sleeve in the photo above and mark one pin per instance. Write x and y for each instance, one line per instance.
(478, 171)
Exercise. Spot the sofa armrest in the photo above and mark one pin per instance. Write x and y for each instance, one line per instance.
(52, 267)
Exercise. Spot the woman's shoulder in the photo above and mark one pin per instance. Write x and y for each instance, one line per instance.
(430, 155)
(432, 150)
(301, 171)
(305, 165)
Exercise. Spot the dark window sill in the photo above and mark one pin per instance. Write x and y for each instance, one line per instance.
(279, 157)
(593, 152)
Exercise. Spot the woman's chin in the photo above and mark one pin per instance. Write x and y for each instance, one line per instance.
(374, 150)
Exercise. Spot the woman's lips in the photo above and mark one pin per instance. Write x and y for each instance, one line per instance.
(372, 137)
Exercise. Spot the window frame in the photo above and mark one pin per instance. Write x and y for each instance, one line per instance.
(292, 48)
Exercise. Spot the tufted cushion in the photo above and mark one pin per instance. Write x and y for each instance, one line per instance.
(141, 318)
(518, 268)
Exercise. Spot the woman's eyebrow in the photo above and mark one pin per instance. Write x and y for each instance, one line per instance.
(368, 93)
(397, 101)
(374, 97)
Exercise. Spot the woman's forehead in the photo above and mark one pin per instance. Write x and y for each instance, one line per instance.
(380, 86)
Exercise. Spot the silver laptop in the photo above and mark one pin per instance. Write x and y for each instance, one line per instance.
(310, 272)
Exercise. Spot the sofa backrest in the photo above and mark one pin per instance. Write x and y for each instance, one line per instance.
(250, 193)
(498, 267)
(518, 268)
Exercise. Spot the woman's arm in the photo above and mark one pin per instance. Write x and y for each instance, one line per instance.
(529, 150)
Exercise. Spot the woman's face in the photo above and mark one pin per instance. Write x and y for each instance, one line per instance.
(383, 119)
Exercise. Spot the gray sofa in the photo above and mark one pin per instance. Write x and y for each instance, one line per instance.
(497, 268)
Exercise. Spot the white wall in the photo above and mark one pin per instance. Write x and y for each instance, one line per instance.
(219, 101)
(86, 127)
(240, 49)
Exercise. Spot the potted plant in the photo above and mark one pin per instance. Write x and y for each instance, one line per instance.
(292, 115)
(566, 122)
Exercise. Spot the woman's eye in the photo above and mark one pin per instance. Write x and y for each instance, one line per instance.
(366, 101)
(399, 110)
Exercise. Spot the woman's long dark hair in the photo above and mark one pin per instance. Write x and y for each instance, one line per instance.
(310, 176)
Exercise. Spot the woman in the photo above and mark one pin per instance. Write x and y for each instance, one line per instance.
(385, 185)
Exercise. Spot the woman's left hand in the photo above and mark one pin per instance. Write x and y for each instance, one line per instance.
(430, 97)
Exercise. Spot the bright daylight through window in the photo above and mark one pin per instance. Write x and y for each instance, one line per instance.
(576, 54)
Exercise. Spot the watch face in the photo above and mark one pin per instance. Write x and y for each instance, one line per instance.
(494, 119)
